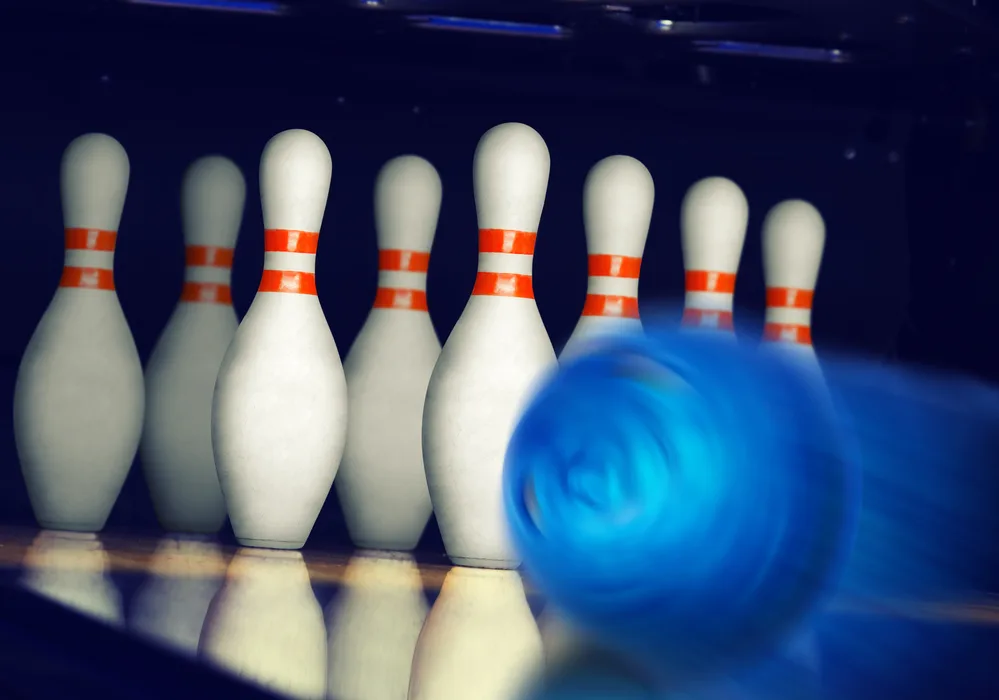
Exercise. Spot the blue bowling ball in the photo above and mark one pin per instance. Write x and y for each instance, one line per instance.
(686, 500)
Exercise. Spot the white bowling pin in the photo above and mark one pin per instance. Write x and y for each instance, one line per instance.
(78, 401)
(72, 569)
(495, 355)
(266, 625)
(373, 626)
(176, 446)
(381, 483)
(279, 415)
(480, 641)
(185, 574)
(617, 208)
(713, 221)
(794, 237)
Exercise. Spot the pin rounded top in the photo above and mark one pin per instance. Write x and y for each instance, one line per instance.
(212, 199)
(407, 204)
(295, 172)
(94, 181)
(617, 207)
(713, 220)
(794, 236)
(510, 177)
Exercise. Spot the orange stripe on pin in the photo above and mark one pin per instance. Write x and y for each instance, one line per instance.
(787, 333)
(279, 240)
(90, 239)
(206, 293)
(208, 256)
(405, 299)
(708, 281)
(614, 266)
(789, 298)
(403, 260)
(288, 281)
(609, 305)
(87, 278)
(503, 284)
(498, 240)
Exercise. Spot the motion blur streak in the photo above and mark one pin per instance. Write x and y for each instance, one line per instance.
(929, 446)
(692, 502)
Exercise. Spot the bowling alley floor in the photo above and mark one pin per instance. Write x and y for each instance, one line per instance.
(856, 649)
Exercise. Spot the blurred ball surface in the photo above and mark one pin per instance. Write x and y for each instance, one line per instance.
(684, 499)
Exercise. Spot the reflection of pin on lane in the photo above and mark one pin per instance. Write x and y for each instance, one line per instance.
(279, 414)
(72, 569)
(381, 483)
(180, 376)
(373, 626)
(713, 220)
(480, 641)
(617, 207)
(266, 625)
(78, 401)
(185, 573)
(495, 355)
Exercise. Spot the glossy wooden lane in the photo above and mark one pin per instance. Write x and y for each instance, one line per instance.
(134, 554)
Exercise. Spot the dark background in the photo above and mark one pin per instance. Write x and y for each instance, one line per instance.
(894, 149)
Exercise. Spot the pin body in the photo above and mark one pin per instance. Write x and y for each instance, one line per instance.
(78, 401)
(495, 355)
(794, 237)
(381, 483)
(176, 444)
(279, 412)
(480, 641)
(713, 221)
(617, 207)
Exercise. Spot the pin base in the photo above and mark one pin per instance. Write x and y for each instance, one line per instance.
(270, 544)
(474, 563)
(92, 526)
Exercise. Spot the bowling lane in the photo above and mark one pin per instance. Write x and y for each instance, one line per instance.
(348, 625)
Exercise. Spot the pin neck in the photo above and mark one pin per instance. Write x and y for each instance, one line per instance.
(789, 316)
(207, 275)
(506, 258)
(402, 279)
(289, 261)
(89, 259)
(614, 277)
(709, 299)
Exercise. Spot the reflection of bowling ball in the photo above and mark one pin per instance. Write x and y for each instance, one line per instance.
(685, 500)
(594, 674)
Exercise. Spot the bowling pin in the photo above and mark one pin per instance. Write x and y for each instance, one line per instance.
(617, 208)
(185, 574)
(266, 625)
(72, 569)
(495, 355)
(480, 641)
(794, 237)
(279, 414)
(79, 396)
(176, 446)
(381, 484)
(373, 627)
(713, 220)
